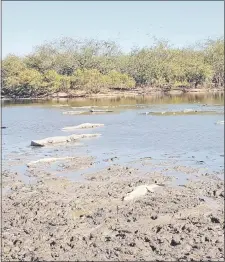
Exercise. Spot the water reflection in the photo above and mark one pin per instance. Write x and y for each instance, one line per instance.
(212, 98)
(127, 134)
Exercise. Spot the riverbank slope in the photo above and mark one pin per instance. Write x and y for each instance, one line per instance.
(114, 93)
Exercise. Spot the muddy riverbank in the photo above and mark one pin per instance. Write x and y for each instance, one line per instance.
(55, 219)
(149, 188)
(119, 93)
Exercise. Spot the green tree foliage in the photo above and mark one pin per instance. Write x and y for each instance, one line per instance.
(94, 66)
(19, 80)
(51, 81)
(93, 81)
(43, 59)
(119, 81)
(163, 66)
(214, 56)
(12, 66)
(30, 82)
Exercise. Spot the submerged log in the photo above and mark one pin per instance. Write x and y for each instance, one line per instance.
(61, 139)
(184, 112)
(61, 105)
(49, 160)
(73, 112)
(79, 107)
(100, 111)
(82, 126)
(188, 110)
(220, 122)
(140, 191)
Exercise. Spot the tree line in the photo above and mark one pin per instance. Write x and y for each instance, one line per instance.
(68, 65)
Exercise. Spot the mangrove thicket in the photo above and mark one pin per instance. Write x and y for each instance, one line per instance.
(68, 65)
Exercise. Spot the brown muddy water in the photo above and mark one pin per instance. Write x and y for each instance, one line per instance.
(128, 135)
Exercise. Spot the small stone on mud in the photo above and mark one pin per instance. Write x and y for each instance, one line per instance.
(206, 239)
(107, 238)
(175, 241)
(215, 219)
(154, 217)
(200, 162)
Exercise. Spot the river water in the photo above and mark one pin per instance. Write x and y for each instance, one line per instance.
(128, 134)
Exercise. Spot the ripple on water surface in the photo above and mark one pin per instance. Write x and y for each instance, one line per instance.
(193, 139)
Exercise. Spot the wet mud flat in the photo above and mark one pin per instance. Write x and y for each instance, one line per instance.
(153, 200)
(52, 218)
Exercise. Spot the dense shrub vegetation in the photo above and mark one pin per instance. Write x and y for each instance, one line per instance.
(68, 65)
